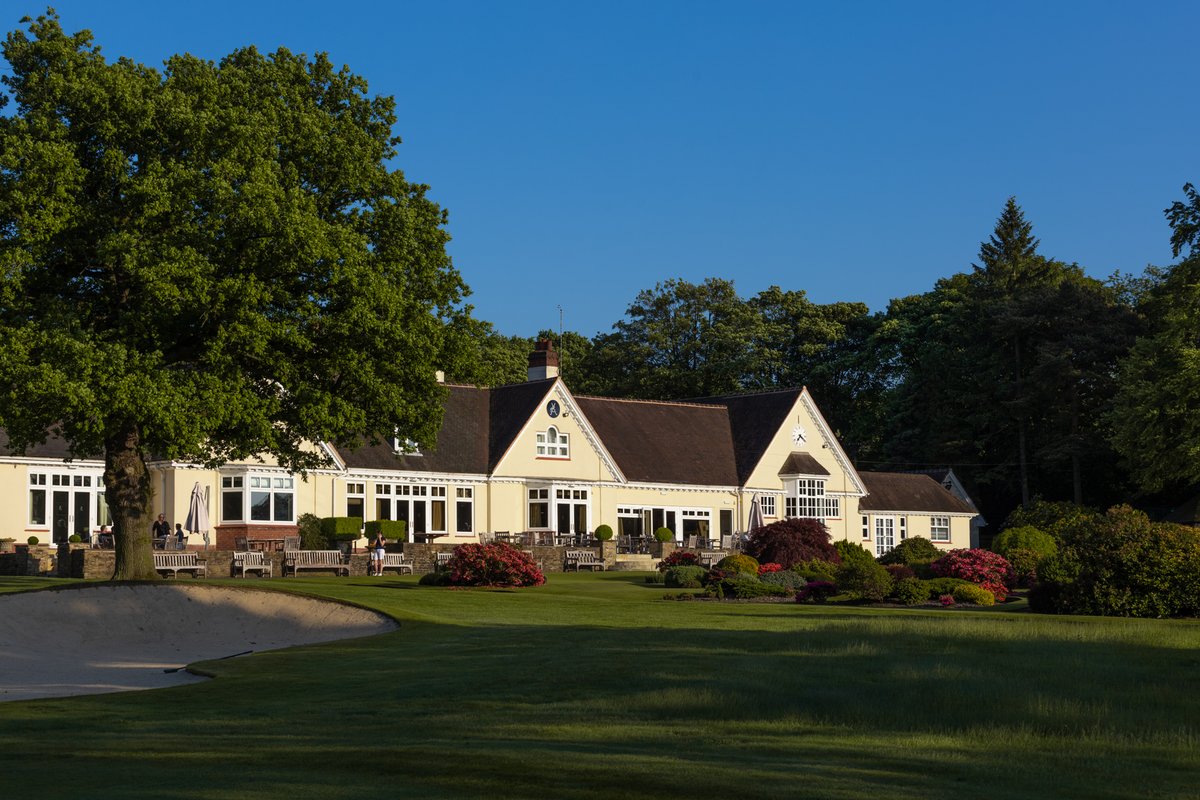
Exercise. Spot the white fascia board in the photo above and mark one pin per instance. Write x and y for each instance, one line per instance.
(834, 445)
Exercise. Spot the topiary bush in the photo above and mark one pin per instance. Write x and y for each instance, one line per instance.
(739, 562)
(341, 529)
(495, 564)
(664, 535)
(311, 535)
(913, 550)
(685, 577)
(1025, 537)
(603, 533)
(981, 567)
(976, 595)
(32, 540)
(911, 591)
(791, 541)
(786, 578)
(394, 530)
(74, 538)
(679, 558)
(865, 579)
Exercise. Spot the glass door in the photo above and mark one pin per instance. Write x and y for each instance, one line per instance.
(885, 535)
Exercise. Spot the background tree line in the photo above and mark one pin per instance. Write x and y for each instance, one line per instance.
(1028, 377)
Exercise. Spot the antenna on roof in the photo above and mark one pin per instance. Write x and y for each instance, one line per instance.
(560, 329)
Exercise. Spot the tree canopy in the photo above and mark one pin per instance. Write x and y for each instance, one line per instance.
(209, 261)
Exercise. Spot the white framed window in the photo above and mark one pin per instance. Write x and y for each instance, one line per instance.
(939, 529)
(37, 499)
(67, 502)
(421, 507)
(356, 500)
(539, 509)
(553, 443)
(903, 528)
(767, 505)
(258, 498)
(885, 535)
(464, 509)
(866, 527)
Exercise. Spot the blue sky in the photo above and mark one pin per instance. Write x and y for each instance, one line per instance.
(858, 151)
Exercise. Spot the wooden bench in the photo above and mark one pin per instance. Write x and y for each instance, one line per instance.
(297, 560)
(253, 561)
(709, 558)
(441, 561)
(577, 559)
(398, 562)
(180, 562)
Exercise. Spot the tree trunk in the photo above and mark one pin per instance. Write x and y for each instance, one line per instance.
(128, 490)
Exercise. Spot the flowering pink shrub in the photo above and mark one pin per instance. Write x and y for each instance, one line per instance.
(498, 564)
(679, 558)
(764, 569)
(981, 567)
(946, 599)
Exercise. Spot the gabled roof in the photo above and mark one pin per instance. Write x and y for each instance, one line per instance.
(802, 464)
(55, 447)
(901, 491)
(658, 442)
(754, 419)
(510, 408)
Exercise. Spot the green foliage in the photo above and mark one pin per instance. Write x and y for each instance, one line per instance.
(1047, 516)
(911, 591)
(790, 541)
(786, 578)
(32, 540)
(664, 535)
(604, 533)
(1025, 537)
(74, 538)
(739, 562)
(936, 587)
(1122, 564)
(394, 530)
(312, 537)
(437, 578)
(1024, 565)
(685, 577)
(817, 570)
(744, 587)
(975, 595)
(913, 550)
(341, 529)
(864, 578)
(231, 232)
(852, 553)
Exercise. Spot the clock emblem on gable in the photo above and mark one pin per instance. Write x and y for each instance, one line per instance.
(799, 435)
(552, 408)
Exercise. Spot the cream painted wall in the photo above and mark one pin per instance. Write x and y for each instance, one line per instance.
(522, 460)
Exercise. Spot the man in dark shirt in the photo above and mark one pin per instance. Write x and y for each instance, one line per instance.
(161, 529)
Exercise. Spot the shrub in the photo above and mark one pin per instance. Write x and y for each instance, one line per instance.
(865, 579)
(817, 570)
(981, 567)
(341, 529)
(976, 595)
(655, 577)
(32, 540)
(851, 552)
(439, 578)
(739, 562)
(1122, 564)
(685, 577)
(1024, 565)
(785, 578)
(1052, 518)
(740, 587)
(816, 592)
(911, 591)
(496, 564)
(900, 572)
(790, 541)
(766, 569)
(946, 600)
(311, 535)
(679, 558)
(1025, 537)
(913, 550)
(394, 530)
(936, 587)
(74, 538)
(604, 533)
(664, 535)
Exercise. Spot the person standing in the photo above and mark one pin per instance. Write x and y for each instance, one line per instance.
(378, 547)
(179, 536)
(161, 530)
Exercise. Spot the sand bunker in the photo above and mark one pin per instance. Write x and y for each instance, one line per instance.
(117, 638)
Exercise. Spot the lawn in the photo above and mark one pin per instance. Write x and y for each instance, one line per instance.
(595, 687)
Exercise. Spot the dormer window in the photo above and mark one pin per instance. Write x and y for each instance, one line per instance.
(552, 443)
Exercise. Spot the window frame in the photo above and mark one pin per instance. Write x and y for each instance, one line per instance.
(934, 527)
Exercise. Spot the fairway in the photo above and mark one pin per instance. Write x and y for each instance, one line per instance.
(593, 686)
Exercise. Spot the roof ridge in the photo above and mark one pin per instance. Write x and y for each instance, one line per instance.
(683, 403)
(757, 393)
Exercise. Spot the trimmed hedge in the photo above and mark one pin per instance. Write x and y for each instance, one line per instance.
(785, 578)
(970, 593)
(743, 588)
(739, 562)
(341, 529)
(685, 577)
(394, 530)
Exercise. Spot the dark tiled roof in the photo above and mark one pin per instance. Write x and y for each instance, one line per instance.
(900, 491)
(802, 464)
(665, 442)
(510, 408)
(54, 447)
(754, 419)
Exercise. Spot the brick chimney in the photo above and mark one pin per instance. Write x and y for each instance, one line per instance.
(543, 361)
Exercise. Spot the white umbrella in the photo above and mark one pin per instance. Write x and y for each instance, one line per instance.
(197, 518)
(756, 515)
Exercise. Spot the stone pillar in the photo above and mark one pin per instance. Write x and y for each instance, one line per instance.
(608, 552)
(662, 549)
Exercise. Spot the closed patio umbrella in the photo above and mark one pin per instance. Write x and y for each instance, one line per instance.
(197, 518)
(756, 515)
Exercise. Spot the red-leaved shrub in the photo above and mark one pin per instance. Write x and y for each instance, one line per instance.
(980, 567)
(768, 568)
(679, 558)
(498, 564)
(790, 541)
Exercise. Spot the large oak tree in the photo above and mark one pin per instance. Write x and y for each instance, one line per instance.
(208, 261)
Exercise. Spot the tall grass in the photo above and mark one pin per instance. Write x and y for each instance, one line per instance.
(594, 687)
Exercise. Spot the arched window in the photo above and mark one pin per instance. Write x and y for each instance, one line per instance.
(551, 443)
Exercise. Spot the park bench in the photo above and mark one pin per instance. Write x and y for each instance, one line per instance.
(398, 562)
(180, 562)
(582, 559)
(253, 561)
(441, 560)
(296, 560)
(709, 558)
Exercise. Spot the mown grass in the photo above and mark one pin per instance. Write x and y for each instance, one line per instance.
(594, 687)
